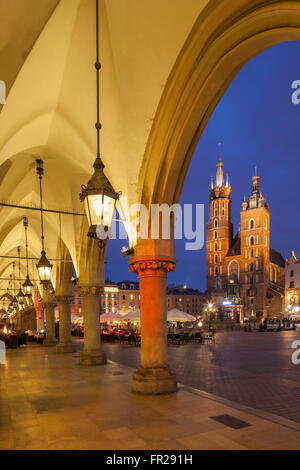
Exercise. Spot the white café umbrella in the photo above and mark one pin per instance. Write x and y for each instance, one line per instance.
(178, 315)
(133, 316)
(109, 316)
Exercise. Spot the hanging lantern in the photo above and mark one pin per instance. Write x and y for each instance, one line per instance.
(20, 297)
(99, 200)
(28, 287)
(98, 196)
(44, 269)
(44, 266)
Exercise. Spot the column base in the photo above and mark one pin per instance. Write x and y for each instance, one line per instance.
(92, 358)
(50, 342)
(64, 348)
(153, 381)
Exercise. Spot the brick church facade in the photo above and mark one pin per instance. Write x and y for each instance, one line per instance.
(245, 276)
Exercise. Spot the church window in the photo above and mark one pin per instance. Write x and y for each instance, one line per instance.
(216, 223)
(292, 284)
(217, 271)
(252, 253)
(251, 224)
(292, 273)
(216, 258)
(216, 247)
(216, 235)
(251, 280)
(251, 267)
(216, 209)
(251, 240)
(234, 271)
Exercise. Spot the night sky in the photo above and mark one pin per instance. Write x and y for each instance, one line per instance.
(257, 125)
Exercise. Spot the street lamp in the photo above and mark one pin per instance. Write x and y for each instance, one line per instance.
(98, 195)
(43, 266)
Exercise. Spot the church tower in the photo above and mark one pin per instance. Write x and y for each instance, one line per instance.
(219, 230)
(255, 251)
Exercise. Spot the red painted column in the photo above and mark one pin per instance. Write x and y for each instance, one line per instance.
(153, 376)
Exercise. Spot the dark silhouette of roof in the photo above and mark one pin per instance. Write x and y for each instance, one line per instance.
(127, 285)
(180, 290)
(235, 247)
(276, 258)
(235, 250)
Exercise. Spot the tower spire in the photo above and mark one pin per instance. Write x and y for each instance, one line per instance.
(219, 175)
(255, 181)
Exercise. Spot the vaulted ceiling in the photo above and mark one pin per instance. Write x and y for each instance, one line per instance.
(47, 52)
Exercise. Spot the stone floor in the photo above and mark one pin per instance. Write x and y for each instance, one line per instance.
(253, 369)
(48, 401)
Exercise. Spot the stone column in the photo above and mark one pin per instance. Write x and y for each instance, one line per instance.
(92, 354)
(153, 376)
(49, 305)
(65, 344)
(18, 325)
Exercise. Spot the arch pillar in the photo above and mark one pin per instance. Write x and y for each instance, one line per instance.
(92, 354)
(64, 296)
(49, 305)
(18, 324)
(153, 376)
(90, 286)
(65, 344)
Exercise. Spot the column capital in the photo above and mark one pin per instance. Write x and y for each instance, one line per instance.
(90, 290)
(152, 266)
(64, 299)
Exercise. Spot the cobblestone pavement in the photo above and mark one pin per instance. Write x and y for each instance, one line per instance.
(253, 369)
(49, 402)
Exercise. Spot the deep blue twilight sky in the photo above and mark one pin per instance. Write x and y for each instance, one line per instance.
(257, 125)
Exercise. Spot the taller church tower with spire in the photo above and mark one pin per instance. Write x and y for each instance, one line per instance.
(245, 277)
(219, 229)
